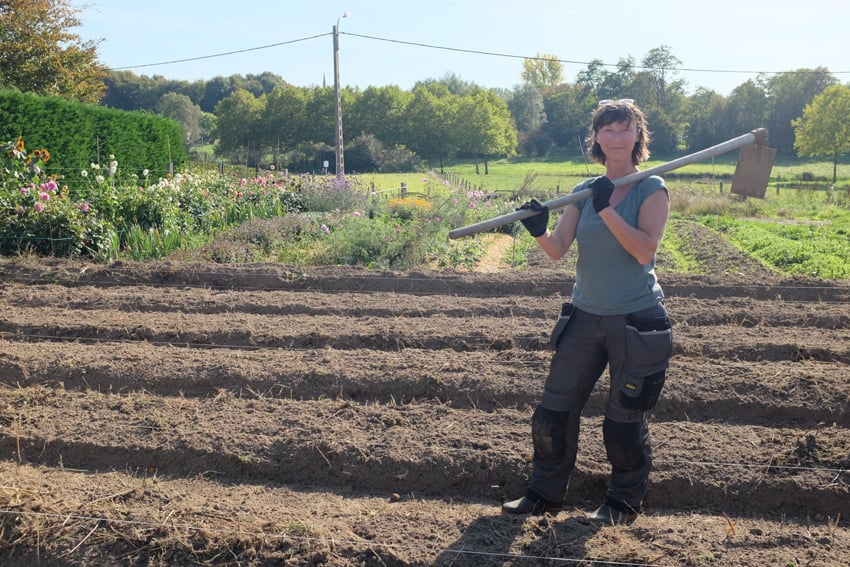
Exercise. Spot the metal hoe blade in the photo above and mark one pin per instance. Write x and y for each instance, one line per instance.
(752, 174)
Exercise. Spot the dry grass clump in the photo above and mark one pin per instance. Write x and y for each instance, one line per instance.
(690, 201)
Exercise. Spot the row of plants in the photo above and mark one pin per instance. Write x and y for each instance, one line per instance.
(794, 231)
(104, 214)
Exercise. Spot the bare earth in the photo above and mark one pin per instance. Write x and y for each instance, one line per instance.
(178, 413)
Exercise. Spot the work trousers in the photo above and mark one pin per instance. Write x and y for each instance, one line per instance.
(636, 348)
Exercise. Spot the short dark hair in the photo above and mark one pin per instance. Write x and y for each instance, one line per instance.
(619, 111)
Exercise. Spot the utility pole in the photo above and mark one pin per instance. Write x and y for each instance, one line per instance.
(340, 158)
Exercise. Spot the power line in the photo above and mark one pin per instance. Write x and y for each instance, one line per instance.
(215, 55)
(462, 50)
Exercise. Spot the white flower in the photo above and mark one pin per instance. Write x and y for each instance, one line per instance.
(113, 167)
(84, 173)
(99, 179)
(145, 172)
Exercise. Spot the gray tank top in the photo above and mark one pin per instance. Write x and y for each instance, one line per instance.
(609, 281)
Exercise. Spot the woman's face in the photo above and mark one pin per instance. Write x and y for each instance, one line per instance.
(617, 140)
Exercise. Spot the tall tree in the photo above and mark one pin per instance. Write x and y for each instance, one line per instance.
(180, 108)
(703, 126)
(662, 64)
(215, 90)
(619, 84)
(591, 78)
(788, 93)
(39, 53)
(238, 115)
(542, 71)
(429, 122)
(568, 115)
(744, 110)
(378, 111)
(284, 118)
(526, 106)
(824, 127)
(484, 126)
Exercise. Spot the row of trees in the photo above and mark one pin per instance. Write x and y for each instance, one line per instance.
(446, 117)
(263, 115)
(430, 120)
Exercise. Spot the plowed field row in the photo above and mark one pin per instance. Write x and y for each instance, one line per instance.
(163, 414)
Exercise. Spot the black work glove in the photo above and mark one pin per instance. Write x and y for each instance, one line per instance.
(537, 224)
(602, 189)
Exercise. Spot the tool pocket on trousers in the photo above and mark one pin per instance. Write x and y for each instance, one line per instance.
(649, 345)
(649, 340)
(642, 392)
(567, 310)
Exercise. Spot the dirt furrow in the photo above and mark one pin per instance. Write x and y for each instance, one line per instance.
(386, 448)
(169, 413)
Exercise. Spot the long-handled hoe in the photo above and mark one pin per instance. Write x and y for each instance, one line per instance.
(752, 174)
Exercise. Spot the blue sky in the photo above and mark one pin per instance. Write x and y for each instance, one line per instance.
(400, 42)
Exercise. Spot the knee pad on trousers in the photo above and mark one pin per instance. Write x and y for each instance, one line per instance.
(627, 444)
(548, 433)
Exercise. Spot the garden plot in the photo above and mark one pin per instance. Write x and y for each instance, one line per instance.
(188, 413)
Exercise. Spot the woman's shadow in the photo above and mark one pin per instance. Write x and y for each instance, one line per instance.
(493, 540)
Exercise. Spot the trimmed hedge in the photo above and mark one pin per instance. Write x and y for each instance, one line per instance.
(78, 134)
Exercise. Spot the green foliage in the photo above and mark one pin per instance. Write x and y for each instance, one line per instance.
(40, 54)
(674, 249)
(800, 247)
(824, 128)
(138, 140)
(102, 213)
(463, 254)
(39, 216)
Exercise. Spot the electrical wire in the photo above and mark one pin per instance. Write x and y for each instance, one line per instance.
(461, 50)
(215, 55)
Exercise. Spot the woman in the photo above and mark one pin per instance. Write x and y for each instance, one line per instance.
(616, 318)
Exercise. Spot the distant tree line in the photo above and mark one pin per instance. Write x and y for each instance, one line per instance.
(259, 118)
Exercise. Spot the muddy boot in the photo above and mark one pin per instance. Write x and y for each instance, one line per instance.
(555, 437)
(612, 513)
(630, 455)
(530, 504)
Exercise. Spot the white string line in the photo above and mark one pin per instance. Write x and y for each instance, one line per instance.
(411, 290)
(326, 540)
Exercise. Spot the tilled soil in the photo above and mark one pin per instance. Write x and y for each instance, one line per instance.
(179, 413)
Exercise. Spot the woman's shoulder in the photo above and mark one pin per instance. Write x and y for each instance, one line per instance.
(650, 185)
